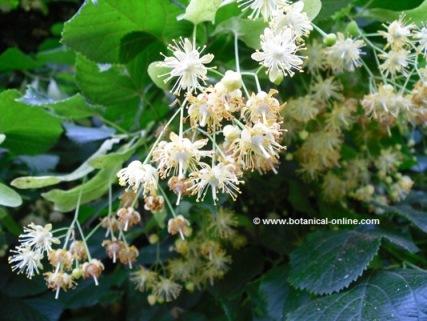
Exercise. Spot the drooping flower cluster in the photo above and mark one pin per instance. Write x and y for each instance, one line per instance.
(69, 263)
(282, 41)
(202, 258)
(240, 135)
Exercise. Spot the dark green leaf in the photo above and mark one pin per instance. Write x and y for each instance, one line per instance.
(29, 130)
(272, 298)
(249, 31)
(105, 84)
(97, 29)
(329, 261)
(399, 295)
(15, 59)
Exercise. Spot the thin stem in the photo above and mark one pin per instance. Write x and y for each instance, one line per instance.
(194, 36)
(91, 233)
(73, 222)
(236, 55)
(79, 227)
(213, 140)
(160, 136)
(169, 204)
(323, 34)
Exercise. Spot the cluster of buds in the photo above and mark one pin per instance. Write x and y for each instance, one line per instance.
(116, 245)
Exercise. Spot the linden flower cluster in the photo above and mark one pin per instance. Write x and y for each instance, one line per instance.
(320, 120)
(69, 263)
(239, 134)
(201, 260)
(283, 40)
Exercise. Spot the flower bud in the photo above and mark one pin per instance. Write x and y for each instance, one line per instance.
(153, 239)
(232, 80)
(330, 39)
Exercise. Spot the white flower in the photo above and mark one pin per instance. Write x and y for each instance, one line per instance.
(26, 260)
(421, 37)
(344, 55)
(257, 144)
(315, 54)
(137, 174)
(325, 89)
(263, 107)
(166, 289)
(278, 53)
(397, 33)
(38, 237)
(179, 155)
(265, 8)
(220, 177)
(395, 61)
(187, 65)
(294, 18)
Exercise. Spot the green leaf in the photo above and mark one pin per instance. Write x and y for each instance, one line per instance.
(8, 197)
(29, 130)
(272, 297)
(2, 138)
(249, 31)
(396, 295)
(97, 29)
(60, 56)
(330, 7)
(15, 59)
(416, 15)
(83, 170)
(74, 107)
(199, 11)
(98, 185)
(329, 261)
(105, 85)
(9, 223)
(7, 5)
(312, 8)
(138, 66)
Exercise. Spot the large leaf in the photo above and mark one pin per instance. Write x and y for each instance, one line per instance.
(272, 297)
(249, 31)
(329, 261)
(105, 85)
(29, 130)
(416, 15)
(97, 29)
(74, 107)
(83, 170)
(8, 197)
(15, 59)
(98, 185)
(414, 209)
(399, 295)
